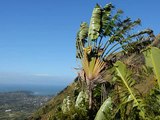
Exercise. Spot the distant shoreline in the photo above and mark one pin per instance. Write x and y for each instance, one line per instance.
(20, 104)
(38, 90)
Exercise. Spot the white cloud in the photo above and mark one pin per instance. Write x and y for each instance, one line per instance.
(41, 75)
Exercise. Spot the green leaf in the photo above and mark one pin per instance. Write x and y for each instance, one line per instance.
(81, 100)
(95, 23)
(152, 57)
(104, 112)
(126, 83)
(83, 31)
(82, 35)
(124, 74)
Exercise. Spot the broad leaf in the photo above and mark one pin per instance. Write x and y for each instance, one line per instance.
(95, 23)
(81, 39)
(152, 57)
(104, 112)
(81, 100)
(126, 83)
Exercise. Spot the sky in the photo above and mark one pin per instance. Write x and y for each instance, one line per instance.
(37, 37)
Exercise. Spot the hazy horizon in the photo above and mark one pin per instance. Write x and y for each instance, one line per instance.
(33, 79)
(37, 38)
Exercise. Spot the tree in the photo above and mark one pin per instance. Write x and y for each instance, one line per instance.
(106, 35)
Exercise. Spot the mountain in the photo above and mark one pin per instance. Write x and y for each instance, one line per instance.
(53, 106)
(53, 109)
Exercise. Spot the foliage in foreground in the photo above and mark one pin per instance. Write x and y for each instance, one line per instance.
(120, 75)
(126, 98)
(98, 43)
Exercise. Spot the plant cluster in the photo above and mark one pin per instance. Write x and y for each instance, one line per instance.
(98, 43)
(111, 89)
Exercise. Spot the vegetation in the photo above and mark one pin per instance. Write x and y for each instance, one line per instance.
(119, 76)
(106, 34)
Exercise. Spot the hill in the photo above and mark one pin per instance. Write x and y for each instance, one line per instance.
(53, 109)
(54, 105)
(119, 76)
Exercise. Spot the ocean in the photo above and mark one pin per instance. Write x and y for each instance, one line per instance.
(36, 89)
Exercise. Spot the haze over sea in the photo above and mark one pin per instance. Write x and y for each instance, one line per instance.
(39, 84)
(36, 89)
(37, 40)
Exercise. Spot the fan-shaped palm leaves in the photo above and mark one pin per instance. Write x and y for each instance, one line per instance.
(92, 66)
(106, 35)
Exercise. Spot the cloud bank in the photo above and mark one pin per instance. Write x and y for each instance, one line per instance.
(35, 79)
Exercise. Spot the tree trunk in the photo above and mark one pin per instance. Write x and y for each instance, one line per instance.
(89, 91)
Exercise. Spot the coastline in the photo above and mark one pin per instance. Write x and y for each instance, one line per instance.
(42, 90)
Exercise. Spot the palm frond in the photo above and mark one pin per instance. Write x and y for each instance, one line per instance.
(92, 66)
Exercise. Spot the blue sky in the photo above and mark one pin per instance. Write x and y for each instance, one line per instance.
(37, 37)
